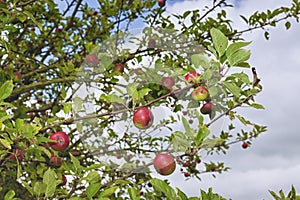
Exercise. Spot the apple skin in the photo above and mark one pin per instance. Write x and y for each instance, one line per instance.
(62, 141)
(207, 108)
(18, 75)
(168, 82)
(143, 118)
(151, 43)
(63, 179)
(200, 93)
(161, 3)
(91, 60)
(55, 160)
(18, 154)
(164, 164)
(119, 67)
(192, 77)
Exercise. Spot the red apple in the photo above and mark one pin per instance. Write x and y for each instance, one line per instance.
(119, 67)
(168, 82)
(18, 75)
(17, 154)
(143, 118)
(200, 93)
(62, 141)
(245, 145)
(164, 164)
(151, 43)
(55, 160)
(91, 60)
(207, 108)
(192, 77)
(161, 3)
(63, 179)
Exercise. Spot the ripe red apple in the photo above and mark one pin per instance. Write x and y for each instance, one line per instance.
(17, 75)
(119, 67)
(207, 108)
(245, 145)
(164, 164)
(62, 141)
(63, 179)
(17, 154)
(151, 43)
(55, 160)
(143, 118)
(200, 93)
(91, 60)
(161, 3)
(192, 77)
(168, 82)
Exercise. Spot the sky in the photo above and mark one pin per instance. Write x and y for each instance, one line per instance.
(273, 161)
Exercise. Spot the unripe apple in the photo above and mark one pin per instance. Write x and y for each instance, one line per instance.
(192, 77)
(91, 60)
(143, 118)
(200, 93)
(138, 71)
(164, 164)
(168, 82)
(62, 141)
(207, 108)
(119, 67)
(161, 3)
(58, 30)
(55, 160)
(151, 43)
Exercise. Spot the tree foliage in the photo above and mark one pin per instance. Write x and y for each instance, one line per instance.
(51, 82)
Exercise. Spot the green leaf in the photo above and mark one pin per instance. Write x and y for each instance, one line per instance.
(76, 163)
(235, 90)
(113, 98)
(6, 89)
(108, 192)
(234, 47)
(143, 92)
(239, 56)
(92, 177)
(78, 104)
(50, 180)
(133, 194)
(242, 77)
(67, 107)
(220, 41)
(203, 132)
(92, 190)
(9, 195)
(33, 19)
(188, 130)
(287, 25)
(39, 188)
(200, 60)
(6, 143)
(211, 142)
(257, 106)
(162, 186)
(180, 142)
(243, 120)
(181, 194)
(132, 88)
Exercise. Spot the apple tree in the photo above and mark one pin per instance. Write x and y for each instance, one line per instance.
(104, 100)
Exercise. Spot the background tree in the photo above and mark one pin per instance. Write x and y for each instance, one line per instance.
(78, 74)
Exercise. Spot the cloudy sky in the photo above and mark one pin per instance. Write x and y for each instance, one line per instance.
(273, 161)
